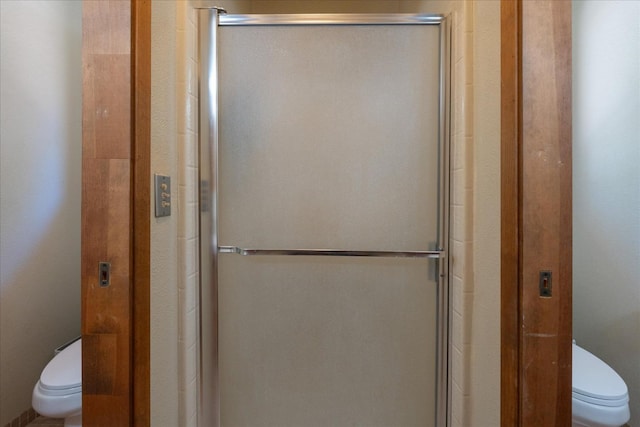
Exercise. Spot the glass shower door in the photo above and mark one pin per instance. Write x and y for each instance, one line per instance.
(330, 194)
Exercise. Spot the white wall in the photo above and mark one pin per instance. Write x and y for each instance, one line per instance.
(164, 260)
(606, 189)
(40, 178)
(484, 408)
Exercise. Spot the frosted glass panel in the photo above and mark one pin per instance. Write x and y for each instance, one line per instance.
(326, 342)
(328, 137)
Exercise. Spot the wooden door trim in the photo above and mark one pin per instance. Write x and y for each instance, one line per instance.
(535, 212)
(141, 208)
(510, 266)
(116, 211)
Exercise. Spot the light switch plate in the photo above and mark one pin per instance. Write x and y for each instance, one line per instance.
(163, 195)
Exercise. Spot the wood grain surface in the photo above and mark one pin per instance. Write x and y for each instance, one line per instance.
(536, 212)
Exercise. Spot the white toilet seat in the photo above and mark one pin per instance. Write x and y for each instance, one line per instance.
(64, 371)
(599, 396)
(45, 391)
(596, 382)
(58, 393)
(612, 403)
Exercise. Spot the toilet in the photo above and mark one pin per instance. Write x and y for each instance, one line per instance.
(58, 393)
(599, 395)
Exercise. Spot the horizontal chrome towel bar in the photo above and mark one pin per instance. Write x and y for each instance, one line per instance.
(331, 252)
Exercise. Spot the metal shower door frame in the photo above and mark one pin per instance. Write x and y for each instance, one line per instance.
(209, 19)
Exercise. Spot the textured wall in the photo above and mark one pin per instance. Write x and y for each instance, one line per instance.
(40, 173)
(164, 258)
(484, 316)
(606, 186)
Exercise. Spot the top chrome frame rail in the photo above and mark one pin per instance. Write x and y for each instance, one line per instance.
(332, 19)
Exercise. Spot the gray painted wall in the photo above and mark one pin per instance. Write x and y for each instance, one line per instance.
(40, 176)
(606, 189)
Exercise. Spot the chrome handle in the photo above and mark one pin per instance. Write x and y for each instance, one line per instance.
(331, 252)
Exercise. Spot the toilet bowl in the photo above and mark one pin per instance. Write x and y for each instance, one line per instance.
(58, 393)
(599, 395)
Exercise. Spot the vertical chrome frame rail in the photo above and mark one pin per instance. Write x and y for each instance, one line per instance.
(443, 371)
(208, 21)
(209, 398)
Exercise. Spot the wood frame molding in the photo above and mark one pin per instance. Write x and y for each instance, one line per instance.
(116, 198)
(536, 212)
(141, 200)
(511, 117)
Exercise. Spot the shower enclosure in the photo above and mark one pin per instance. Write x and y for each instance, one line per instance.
(324, 220)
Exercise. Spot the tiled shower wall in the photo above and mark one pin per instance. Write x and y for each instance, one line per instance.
(461, 14)
(461, 214)
(187, 104)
